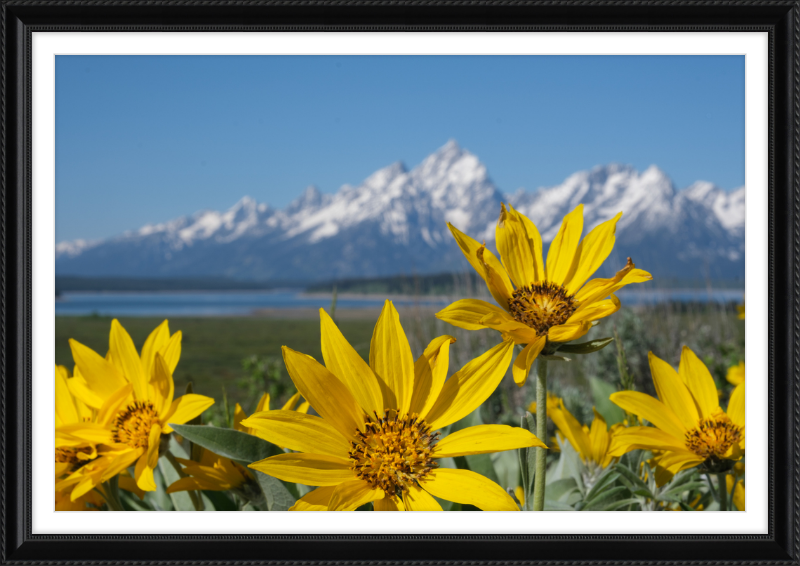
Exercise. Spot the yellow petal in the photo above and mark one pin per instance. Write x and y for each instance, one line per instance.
(189, 484)
(524, 360)
(568, 332)
(592, 252)
(482, 439)
(263, 403)
(510, 328)
(329, 396)
(108, 412)
(569, 426)
(157, 340)
(390, 358)
(589, 312)
(598, 289)
(651, 409)
(345, 363)
(516, 249)
(184, 409)
(389, 504)
(316, 500)
(101, 376)
(563, 247)
(736, 406)
(536, 244)
(304, 407)
(468, 488)
(172, 351)
(148, 461)
(736, 374)
(467, 313)
(307, 469)
(126, 359)
(470, 386)
(487, 265)
(674, 462)
(162, 384)
(76, 434)
(238, 416)
(298, 431)
(79, 388)
(350, 495)
(430, 371)
(673, 392)
(644, 438)
(697, 378)
(65, 406)
(417, 499)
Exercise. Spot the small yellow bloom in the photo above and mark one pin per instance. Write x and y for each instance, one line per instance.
(738, 495)
(736, 374)
(740, 308)
(690, 428)
(541, 303)
(133, 396)
(212, 473)
(375, 439)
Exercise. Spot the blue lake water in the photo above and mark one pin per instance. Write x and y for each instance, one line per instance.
(237, 303)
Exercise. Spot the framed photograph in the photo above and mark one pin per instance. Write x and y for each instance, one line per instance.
(264, 261)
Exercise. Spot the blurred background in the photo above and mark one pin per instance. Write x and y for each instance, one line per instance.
(236, 196)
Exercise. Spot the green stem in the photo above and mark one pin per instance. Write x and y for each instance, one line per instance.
(722, 486)
(541, 433)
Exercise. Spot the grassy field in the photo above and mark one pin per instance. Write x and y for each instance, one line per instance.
(243, 355)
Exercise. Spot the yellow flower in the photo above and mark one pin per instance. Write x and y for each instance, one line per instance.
(590, 443)
(548, 303)
(519, 493)
(736, 476)
(134, 398)
(690, 427)
(375, 439)
(212, 473)
(263, 405)
(740, 308)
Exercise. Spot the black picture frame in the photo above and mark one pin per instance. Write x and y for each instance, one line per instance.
(781, 19)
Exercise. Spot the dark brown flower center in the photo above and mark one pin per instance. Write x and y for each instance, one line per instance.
(713, 437)
(132, 426)
(542, 306)
(393, 452)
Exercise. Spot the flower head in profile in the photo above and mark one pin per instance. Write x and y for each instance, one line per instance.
(541, 303)
(590, 442)
(377, 438)
(689, 427)
(133, 396)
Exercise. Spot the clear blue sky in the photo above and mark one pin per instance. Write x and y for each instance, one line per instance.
(148, 138)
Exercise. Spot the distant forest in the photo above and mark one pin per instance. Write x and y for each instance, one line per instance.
(435, 284)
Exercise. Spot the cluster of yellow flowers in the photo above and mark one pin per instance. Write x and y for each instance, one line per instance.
(379, 431)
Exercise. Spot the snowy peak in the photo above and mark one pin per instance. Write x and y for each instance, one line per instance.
(395, 222)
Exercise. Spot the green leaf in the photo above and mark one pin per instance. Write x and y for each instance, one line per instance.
(614, 505)
(601, 391)
(586, 347)
(277, 496)
(550, 505)
(605, 480)
(637, 484)
(675, 493)
(601, 499)
(559, 490)
(181, 500)
(158, 499)
(229, 443)
(554, 358)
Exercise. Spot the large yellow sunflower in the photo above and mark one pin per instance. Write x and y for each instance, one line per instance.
(690, 428)
(375, 439)
(546, 303)
(134, 398)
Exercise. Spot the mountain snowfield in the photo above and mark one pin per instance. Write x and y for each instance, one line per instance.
(395, 223)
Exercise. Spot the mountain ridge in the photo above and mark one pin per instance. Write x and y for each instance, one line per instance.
(395, 222)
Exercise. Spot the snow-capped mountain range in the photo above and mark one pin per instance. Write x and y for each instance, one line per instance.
(395, 223)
